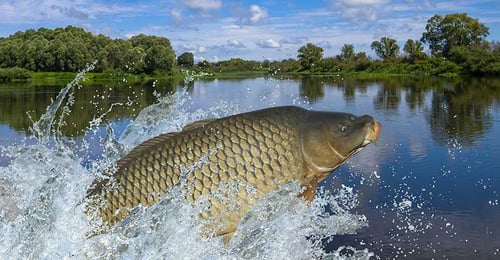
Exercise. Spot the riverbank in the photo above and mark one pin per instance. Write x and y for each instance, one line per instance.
(62, 78)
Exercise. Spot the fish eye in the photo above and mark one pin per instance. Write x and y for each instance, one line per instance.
(343, 129)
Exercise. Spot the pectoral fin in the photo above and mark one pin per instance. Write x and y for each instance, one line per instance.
(227, 233)
(310, 190)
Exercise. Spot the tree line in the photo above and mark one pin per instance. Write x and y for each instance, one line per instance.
(69, 49)
(456, 42)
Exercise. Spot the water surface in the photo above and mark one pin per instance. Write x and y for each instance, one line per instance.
(429, 188)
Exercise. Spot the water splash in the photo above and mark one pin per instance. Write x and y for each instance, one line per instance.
(41, 190)
(45, 127)
(170, 114)
(190, 76)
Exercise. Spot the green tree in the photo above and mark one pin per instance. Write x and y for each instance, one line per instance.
(186, 59)
(148, 41)
(452, 30)
(414, 50)
(266, 64)
(330, 64)
(159, 53)
(286, 65)
(159, 58)
(309, 56)
(386, 48)
(347, 52)
(9, 52)
(477, 60)
(204, 64)
(362, 62)
(136, 59)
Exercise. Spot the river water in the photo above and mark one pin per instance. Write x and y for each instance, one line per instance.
(429, 188)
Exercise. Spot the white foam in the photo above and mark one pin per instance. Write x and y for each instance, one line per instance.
(42, 189)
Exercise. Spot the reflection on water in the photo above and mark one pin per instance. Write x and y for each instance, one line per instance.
(429, 188)
(311, 88)
(460, 108)
(18, 100)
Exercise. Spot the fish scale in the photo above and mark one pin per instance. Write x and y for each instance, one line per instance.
(233, 162)
(244, 152)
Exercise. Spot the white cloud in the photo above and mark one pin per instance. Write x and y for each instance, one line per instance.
(359, 10)
(362, 2)
(326, 44)
(199, 58)
(70, 12)
(268, 44)
(176, 14)
(202, 49)
(257, 14)
(227, 49)
(204, 4)
(248, 15)
(228, 29)
(232, 27)
(235, 44)
(193, 48)
(57, 11)
(293, 40)
(129, 35)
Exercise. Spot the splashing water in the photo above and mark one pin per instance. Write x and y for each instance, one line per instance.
(42, 188)
(44, 127)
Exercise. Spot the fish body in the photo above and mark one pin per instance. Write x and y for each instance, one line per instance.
(233, 162)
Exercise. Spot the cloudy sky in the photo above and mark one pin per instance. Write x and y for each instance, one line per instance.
(259, 29)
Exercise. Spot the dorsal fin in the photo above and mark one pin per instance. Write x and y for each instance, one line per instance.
(146, 145)
(197, 124)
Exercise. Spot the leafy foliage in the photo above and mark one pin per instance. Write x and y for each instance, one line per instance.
(414, 50)
(69, 49)
(456, 41)
(309, 56)
(347, 52)
(386, 48)
(453, 30)
(15, 73)
(186, 60)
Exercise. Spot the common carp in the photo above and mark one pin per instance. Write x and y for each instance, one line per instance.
(233, 162)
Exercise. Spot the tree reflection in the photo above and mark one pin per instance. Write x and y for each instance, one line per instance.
(415, 97)
(458, 109)
(418, 87)
(311, 88)
(90, 102)
(462, 111)
(388, 96)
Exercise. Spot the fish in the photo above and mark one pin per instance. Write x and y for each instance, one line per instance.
(231, 162)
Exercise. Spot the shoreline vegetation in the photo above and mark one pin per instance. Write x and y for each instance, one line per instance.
(456, 43)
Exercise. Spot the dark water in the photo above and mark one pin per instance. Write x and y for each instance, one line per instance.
(429, 188)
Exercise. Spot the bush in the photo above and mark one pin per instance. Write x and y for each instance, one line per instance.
(9, 74)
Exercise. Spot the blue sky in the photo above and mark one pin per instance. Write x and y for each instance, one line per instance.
(261, 29)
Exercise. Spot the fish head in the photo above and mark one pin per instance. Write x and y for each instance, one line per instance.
(330, 138)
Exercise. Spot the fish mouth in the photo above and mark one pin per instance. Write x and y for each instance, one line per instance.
(372, 134)
(370, 137)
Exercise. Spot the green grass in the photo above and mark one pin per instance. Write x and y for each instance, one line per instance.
(61, 78)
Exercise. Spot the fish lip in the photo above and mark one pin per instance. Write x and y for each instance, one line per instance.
(372, 134)
(366, 142)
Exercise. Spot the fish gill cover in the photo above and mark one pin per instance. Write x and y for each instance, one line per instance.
(43, 186)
